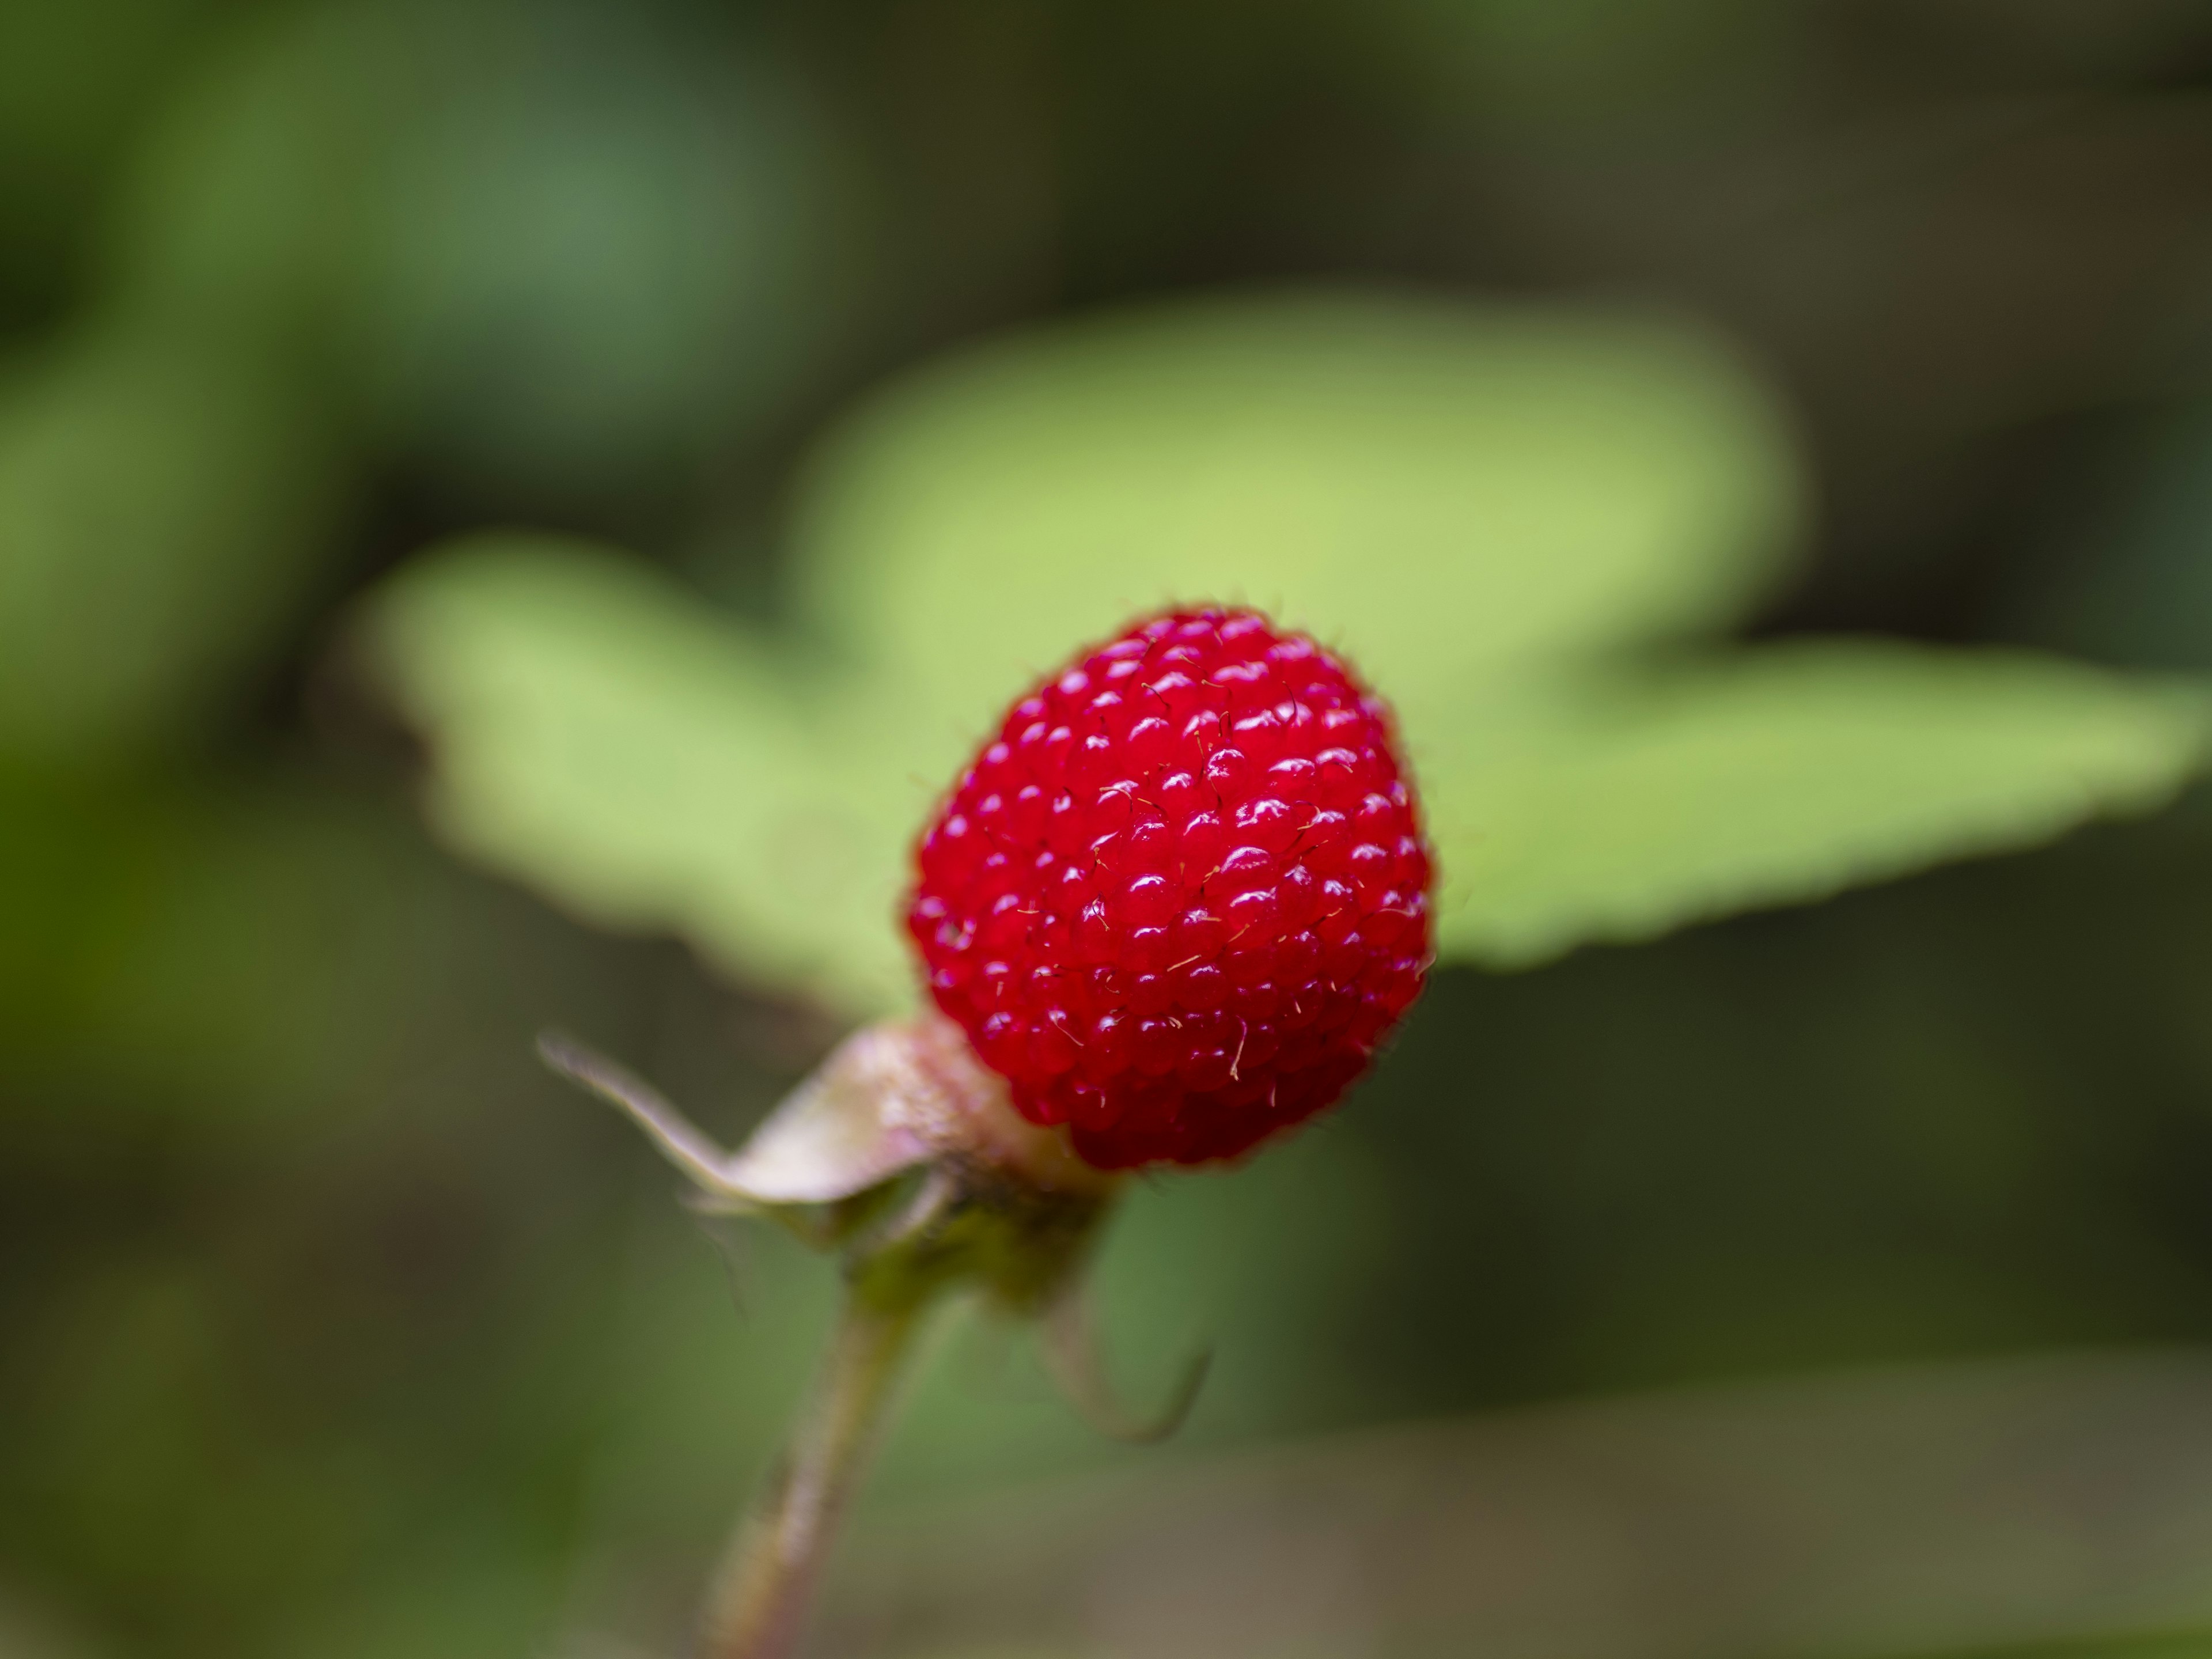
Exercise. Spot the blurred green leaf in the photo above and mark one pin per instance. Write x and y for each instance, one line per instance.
(75, 79)
(628, 245)
(205, 955)
(1618, 806)
(252, 200)
(599, 734)
(1486, 510)
(1446, 492)
(1559, 71)
(547, 246)
(161, 514)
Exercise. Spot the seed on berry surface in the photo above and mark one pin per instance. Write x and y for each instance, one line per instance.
(1205, 841)
(1149, 994)
(1157, 1045)
(1241, 869)
(1151, 743)
(1181, 796)
(1229, 772)
(1203, 986)
(1269, 822)
(1199, 934)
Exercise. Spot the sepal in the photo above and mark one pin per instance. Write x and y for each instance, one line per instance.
(902, 1149)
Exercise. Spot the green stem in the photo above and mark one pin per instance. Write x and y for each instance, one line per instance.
(758, 1603)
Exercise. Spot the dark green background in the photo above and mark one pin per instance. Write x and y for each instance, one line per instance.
(330, 1327)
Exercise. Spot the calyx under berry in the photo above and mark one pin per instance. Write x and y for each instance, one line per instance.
(1182, 893)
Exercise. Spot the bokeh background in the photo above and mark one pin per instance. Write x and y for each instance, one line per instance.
(1832, 1280)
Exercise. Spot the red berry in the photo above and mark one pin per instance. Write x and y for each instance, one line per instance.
(1182, 895)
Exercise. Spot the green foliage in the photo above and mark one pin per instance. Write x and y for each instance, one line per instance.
(1446, 492)
(1617, 806)
(628, 243)
(597, 733)
(74, 81)
(160, 515)
(1501, 516)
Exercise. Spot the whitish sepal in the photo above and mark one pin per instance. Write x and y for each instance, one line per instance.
(892, 1096)
(681, 1141)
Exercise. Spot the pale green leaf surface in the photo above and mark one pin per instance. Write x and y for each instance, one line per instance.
(1442, 491)
(596, 734)
(1617, 807)
(1488, 511)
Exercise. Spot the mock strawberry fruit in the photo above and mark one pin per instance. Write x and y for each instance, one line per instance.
(1182, 894)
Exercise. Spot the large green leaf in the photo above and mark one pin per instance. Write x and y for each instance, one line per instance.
(599, 735)
(1518, 524)
(1441, 491)
(1617, 806)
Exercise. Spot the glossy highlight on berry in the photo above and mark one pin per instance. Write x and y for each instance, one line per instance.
(1182, 894)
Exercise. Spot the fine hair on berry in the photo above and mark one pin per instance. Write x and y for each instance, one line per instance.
(1182, 893)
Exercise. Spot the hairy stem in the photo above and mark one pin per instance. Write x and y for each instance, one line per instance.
(758, 1603)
